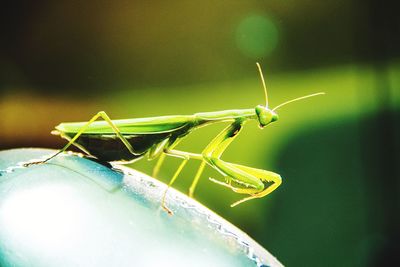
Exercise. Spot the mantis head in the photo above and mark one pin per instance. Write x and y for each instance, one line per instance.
(265, 115)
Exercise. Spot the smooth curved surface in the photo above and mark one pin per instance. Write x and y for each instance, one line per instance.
(73, 211)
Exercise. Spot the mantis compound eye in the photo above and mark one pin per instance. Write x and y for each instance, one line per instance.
(265, 116)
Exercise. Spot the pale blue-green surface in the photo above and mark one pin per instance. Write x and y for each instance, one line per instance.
(73, 211)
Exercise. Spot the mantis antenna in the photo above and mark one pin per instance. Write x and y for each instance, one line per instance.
(297, 99)
(263, 83)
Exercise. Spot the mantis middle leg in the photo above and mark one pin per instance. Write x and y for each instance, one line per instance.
(185, 156)
(246, 180)
(199, 170)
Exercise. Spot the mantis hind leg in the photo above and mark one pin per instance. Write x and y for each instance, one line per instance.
(105, 117)
(239, 178)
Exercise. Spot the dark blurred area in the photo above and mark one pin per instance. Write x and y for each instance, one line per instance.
(339, 203)
(95, 45)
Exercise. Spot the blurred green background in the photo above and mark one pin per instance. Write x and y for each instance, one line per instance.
(338, 154)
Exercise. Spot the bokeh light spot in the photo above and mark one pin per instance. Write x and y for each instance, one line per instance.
(256, 36)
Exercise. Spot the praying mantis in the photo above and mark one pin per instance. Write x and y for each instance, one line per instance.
(129, 140)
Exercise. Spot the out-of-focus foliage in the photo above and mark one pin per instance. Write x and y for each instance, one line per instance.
(337, 154)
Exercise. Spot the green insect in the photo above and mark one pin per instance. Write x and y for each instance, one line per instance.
(129, 140)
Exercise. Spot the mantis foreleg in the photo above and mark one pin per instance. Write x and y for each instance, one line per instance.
(249, 180)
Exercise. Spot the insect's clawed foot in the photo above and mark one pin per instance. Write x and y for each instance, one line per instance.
(167, 210)
(34, 163)
(191, 193)
(236, 203)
